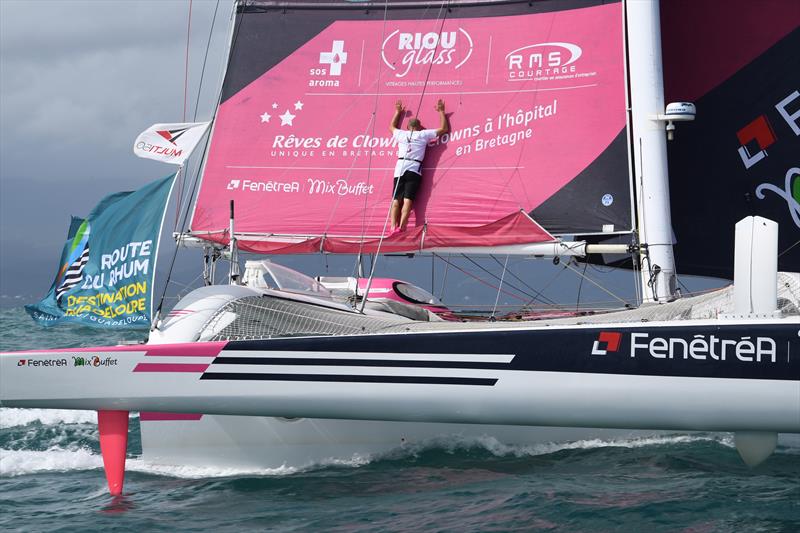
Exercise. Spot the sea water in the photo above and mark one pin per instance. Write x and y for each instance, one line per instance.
(51, 479)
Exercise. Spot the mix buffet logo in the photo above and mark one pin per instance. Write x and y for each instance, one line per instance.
(401, 51)
(93, 361)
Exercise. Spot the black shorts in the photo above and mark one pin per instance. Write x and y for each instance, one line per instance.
(407, 188)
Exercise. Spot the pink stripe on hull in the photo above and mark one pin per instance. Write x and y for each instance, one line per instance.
(170, 367)
(189, 349)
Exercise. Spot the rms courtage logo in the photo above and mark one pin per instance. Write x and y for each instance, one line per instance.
(544, 61)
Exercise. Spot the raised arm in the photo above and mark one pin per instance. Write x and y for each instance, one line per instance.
(398, 112)
(444, 126)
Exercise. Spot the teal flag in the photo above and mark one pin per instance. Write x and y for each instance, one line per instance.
(105, 277)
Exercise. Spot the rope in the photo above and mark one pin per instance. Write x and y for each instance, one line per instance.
(374, 122)
(480, 280)
(435, 48)
(497, 297)
(580, 288)
(186, 64)
(527, 286)
(590, 280)
(394, 191)
(495, 276)
(205, 60)
(193, 190)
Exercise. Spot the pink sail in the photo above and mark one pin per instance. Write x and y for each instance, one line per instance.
(303, 147)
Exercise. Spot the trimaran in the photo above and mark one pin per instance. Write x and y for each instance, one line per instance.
(558, 148)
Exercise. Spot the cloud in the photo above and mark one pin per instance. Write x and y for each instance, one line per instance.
(79, 80)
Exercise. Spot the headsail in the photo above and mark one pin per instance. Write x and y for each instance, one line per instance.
(301, 141)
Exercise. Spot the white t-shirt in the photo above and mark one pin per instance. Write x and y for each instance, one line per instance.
(411, 149)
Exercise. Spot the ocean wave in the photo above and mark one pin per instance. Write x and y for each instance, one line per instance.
(497, 448)
(21, 462)
(13, 417)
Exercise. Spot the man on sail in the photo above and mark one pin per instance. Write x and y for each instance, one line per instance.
(411, 151)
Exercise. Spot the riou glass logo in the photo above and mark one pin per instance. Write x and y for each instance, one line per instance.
(402, 51)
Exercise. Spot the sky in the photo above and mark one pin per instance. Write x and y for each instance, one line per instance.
(79, 80)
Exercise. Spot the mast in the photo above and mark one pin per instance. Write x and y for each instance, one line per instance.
(651, 176)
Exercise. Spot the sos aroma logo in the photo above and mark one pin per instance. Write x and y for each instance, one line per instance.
(401, 51)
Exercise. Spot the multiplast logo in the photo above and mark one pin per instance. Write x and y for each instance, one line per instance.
(607, 341)
(172, 135)
(401, 51)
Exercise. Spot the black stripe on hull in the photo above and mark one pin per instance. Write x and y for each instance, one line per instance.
(332, 378)
(718, 351)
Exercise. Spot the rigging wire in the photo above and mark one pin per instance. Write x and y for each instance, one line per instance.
(444, 277)
(478, 279)
(599, 286)
(546, 286)
(435, 48)
(186, 63)
(527, 285)
(394, 192)
(580, 287)
(495, 276)
(179, 200)
(499, 287)
(191, 196)
(369, 160)
(205, 60)
(789, 248)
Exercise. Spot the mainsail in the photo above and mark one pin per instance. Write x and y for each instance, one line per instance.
(536, 102)
(740, 65)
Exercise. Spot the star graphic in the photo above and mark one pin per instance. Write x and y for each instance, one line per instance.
(265, 117)
(287, 118)
(298, 105)
(274, 105)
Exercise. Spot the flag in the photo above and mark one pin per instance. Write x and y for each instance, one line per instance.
(169, 143)
(105, 275)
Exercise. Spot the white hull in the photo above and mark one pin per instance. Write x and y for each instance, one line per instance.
(256, 443)
(526, 382)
